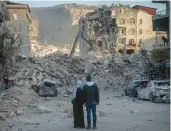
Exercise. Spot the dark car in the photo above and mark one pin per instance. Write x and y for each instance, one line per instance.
(134, 85)
(47, 88)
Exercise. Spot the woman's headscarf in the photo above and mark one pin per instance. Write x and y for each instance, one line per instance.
(78, 85)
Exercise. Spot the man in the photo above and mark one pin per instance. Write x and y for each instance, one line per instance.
(91, 98)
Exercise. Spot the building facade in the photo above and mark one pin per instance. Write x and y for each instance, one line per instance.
(19, 24)
(135, 28)
(126, 20)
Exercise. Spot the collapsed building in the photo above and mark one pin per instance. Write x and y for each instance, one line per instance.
(97, 34)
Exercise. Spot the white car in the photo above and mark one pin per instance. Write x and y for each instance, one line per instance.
(154, 89)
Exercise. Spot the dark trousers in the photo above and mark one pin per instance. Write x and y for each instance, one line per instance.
(89, 108)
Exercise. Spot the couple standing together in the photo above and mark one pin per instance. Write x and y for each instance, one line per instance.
(88, 96)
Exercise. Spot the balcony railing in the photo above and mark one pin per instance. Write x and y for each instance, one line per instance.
(160, 46)
(161, 14)
(131, 46)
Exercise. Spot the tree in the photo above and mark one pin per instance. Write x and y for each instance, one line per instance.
(7, 49)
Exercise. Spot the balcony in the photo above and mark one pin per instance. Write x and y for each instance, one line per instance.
(161, 21)
(131, 46)
(160, 46)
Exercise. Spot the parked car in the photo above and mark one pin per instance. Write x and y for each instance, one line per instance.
(154, 89)
(47, 88)
(135, 84)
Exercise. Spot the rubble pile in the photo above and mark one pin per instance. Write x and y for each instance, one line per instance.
(39, 50)
(60, 68)
(114, 73)
(118, 72)
(111, 73)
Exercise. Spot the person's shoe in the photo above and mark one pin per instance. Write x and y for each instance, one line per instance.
(94, 127)
(88, 127)
(75, 126)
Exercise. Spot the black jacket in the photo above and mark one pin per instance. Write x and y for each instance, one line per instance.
(91, 93)
(79, 97)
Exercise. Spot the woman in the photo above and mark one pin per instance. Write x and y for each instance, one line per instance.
(78, 102)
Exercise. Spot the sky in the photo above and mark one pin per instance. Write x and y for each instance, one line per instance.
(53, 3)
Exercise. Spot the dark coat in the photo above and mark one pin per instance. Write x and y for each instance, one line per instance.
(91, 94)
(78, 109)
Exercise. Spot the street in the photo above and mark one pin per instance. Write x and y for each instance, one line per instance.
(116, 113)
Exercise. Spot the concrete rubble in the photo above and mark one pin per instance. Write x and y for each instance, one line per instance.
(65, 71)
(113, 73)
(22, 98)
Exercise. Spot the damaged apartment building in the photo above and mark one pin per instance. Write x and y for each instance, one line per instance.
(98, 34)
(19, 25)
(133, 29)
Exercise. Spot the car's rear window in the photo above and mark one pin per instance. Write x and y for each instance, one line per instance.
(162, 83)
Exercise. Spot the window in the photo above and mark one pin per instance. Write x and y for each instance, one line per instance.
(122, 41)
(15, 16)
(132, 21)
(140, 31)
(113, 12)
(122, 31)
(132, 31)
(140, 43)
(122, 21)
(132, 42)
(140, 21)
